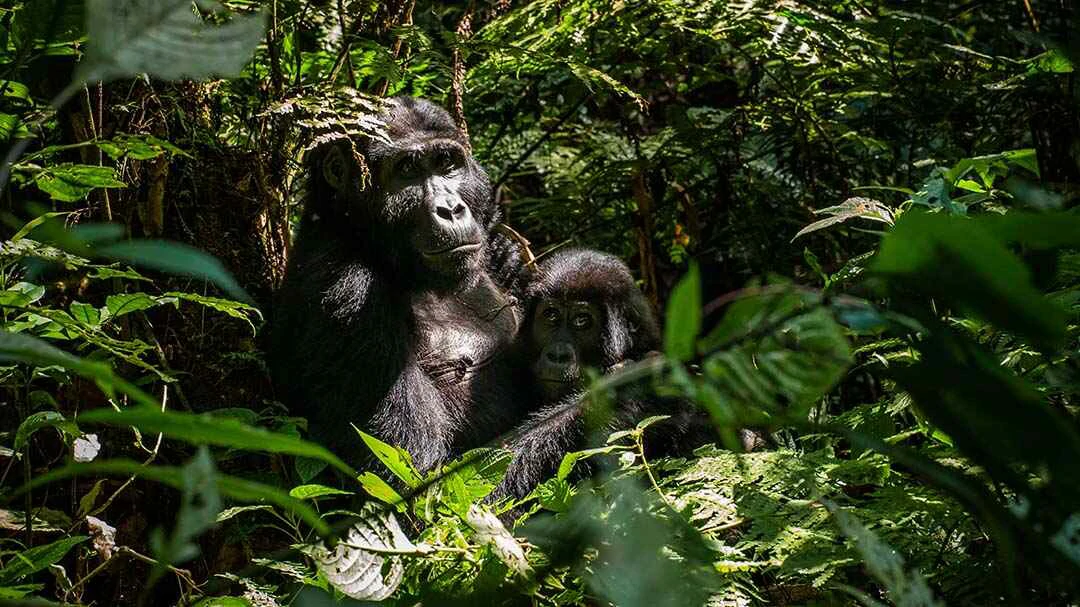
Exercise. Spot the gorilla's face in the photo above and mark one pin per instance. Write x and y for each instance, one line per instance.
(426, 209)
(566, 336)
(432, 183)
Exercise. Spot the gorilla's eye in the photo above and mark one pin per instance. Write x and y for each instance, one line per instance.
(407, 168)
(582, 321)
(551, 315)
(445, 161)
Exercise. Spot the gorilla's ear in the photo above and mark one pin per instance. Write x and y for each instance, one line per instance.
(335, 167)
(618, 341)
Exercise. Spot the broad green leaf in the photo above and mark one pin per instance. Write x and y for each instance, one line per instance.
(85, 314)
(962, 263)
(306, 492)
(380, 490)
(164, 38)
(200, 504)
(235, 488)
(73, 182)
(396, 459)
(27, 349)
(555, 494)
(126, 303)
(176, 258)
(229, 513)
(470, 478)
(231, 308)
(777, 352)
(109, 273)
(21, 590)
(43, 419)
(15, 90)
(308, 468)
(137, 147)
(21, 295)
(570, 460)
(1041, 231)
(995, 417)
(27, 562)
(684, 317)
(212, 430)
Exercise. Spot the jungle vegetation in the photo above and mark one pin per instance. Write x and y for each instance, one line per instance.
(858, 219)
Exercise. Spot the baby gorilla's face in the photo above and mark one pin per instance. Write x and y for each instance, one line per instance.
(566, 337)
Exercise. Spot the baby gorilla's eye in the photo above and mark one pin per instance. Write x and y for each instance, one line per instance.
(551, 315)
(582, 321)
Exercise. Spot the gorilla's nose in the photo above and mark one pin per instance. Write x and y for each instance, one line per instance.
(451, 212)
(559, 354)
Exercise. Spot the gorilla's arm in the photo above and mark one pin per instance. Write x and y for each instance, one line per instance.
(344, 357)
(545, 437)
(539, 444)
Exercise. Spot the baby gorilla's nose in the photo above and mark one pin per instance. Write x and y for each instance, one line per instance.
(559, 354)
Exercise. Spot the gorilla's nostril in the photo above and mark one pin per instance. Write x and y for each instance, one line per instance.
(461, 211)
(560, 354)
(444, 213)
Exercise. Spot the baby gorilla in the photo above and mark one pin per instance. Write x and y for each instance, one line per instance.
(584, 311)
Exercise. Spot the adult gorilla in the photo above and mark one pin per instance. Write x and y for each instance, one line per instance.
(388, 317)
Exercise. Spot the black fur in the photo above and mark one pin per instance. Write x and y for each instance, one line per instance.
(374, 324)
(628, 333)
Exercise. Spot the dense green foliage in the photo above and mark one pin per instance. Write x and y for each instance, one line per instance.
(860, 218)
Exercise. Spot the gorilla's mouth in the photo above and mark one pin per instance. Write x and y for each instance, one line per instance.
(454, 250)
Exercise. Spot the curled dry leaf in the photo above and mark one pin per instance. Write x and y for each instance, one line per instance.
(104, 536)
(490, 530)
(86, 448)
(365, 564)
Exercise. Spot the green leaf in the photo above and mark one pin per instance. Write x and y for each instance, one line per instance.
(235, 488)
(235, 511)
(993, 416)
(380, 490)
(126, 303)
(21, 295)
(308, 468)
(471, 477)
(27, 349)
(684, 317)
(21, 590)
(35, 559)
(213, 430)
(73, 182)
(231, 308)
(138, 147)
(306, 492)
(200, 504)
(43, 419)
(397, 460)
(164, 38)
(961, 263)
(1040, 231)
(777, 352)
(176, 258)
(85, 314)
(566, 466)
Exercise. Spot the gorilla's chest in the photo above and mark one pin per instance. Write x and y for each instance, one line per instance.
(461, 335)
